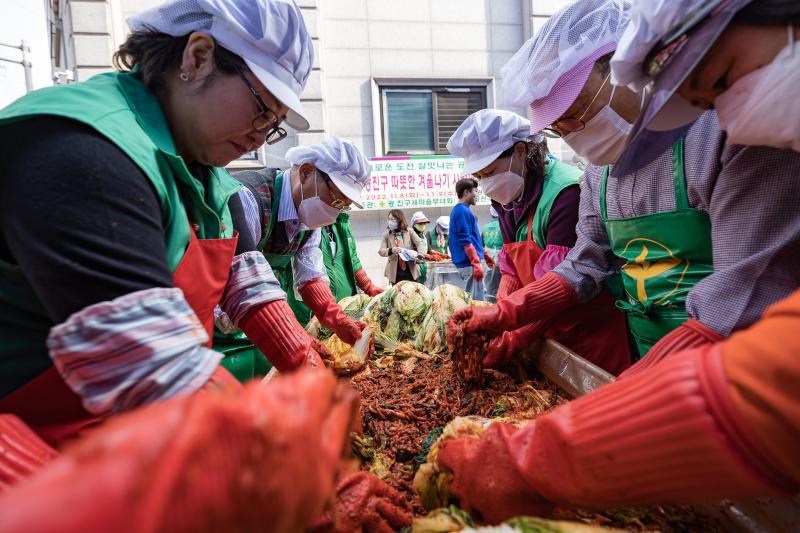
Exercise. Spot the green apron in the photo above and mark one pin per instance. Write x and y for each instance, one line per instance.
(120, 108)
(341, 264)
(242, 358)
(665, 255)
(282, 263)
(433, 245)
(423, 266)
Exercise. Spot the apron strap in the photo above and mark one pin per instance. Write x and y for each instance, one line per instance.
(603, 183)
(530, 225)
(637, 308)
(679, 176)
(273, 214)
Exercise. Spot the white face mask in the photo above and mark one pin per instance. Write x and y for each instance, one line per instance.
(392, 224)
(503, 187)
(603, 138)
(313, 213)
(763, 108)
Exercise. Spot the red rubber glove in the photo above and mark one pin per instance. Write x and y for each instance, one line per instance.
(475, 261)
(22, 452)
(508, 285)
(276, 332)
(503, 348)
(203, 462)
(489, 261)
(319, 298)
(364, 503)
(365, 284)
(669, 435)
(546, 296)
(690, 334)
(223, 381)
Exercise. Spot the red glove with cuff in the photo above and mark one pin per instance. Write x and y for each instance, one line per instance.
(22, 452)
(669, 435)
(365, 503)
(319, 298)
(475, 261)
(489, 261)
(365, 284)
(502, 349)
(538, 300)
(508, 285)
(690, 334)
(280, 337)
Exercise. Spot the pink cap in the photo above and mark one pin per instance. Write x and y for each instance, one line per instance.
(566, 89)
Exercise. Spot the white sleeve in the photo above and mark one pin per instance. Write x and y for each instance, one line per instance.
(307, 264)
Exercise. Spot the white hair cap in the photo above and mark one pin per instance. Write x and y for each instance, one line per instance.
(551, 68)
(270, 35)
(340, 160)
(650, 20)
(486, 134)
(444, 223)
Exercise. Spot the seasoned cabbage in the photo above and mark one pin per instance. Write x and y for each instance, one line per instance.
(432, 335)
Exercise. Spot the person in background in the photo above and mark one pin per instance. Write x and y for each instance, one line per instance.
(466, 246)
(537, 200)
(692, 272)
(396, 243)
(492, 240)
(342, 264)
(286, 211)
(439, 236)
(711, 422)
(418, 223)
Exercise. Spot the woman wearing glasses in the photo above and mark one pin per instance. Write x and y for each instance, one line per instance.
(119, 226)
(286, 211)
(536, 198)
(672, 228)
(710, 422)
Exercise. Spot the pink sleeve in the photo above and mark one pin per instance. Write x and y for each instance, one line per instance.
(507, 267)
(551, 257)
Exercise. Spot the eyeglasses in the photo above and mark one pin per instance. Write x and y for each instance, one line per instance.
(572, 125)
(337, 203)
(266, 122)
(662, 53)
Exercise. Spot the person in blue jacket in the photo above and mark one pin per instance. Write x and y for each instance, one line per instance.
(466, 245)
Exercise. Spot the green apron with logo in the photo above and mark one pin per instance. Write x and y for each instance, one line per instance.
(341, 263)
(665, 254)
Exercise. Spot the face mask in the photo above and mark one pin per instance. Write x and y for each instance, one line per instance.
(313, 213)
(503, 187)
(392, 224)
(603, 138)
(762, 108)
(419, 227)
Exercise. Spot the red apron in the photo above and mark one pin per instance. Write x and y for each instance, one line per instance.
(55, 412)
(596, 330)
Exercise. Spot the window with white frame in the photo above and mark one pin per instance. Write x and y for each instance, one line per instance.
(420, 119)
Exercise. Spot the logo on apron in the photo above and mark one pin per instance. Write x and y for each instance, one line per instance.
(652, 261)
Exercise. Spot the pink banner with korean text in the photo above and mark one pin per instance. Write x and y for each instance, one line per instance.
(408, 182)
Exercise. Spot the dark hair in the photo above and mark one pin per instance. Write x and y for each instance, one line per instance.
(769, 13)
(158, 56)
(465, 184)
(603, 63)
(402, 223)
(535, 161)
